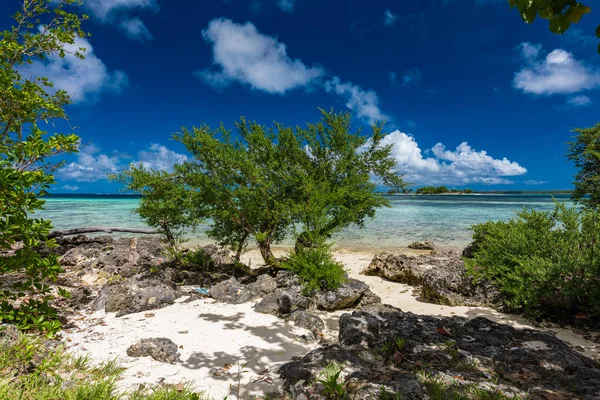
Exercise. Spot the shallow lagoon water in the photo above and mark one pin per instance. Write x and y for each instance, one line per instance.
(445, 219)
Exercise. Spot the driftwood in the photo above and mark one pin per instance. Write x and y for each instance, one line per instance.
(106, 229)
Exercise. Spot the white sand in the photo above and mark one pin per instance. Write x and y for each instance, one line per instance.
(220, 334)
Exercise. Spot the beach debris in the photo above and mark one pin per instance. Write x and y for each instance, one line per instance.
(160, 349)
(202, 291)
(149, 315)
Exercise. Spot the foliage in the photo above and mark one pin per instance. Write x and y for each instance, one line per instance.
(441, 190)
(585, 152)
(27, 106)
(560, 13)
(439, 388)
(333, 383)
(542, 261)
(197, 258)
(33, 370)
(267, 181)
(337, 176)
(316, 269)
(166, 203)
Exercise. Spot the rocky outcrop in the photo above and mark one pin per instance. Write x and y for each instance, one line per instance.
(385, 350)
(233, 292)
(345, 296)
(423, 245)
(160, 349)
(441, 276)
(135, 296)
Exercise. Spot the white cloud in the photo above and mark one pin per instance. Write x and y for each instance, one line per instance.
(71, 188)
(82, 79)
(411, 76)
(579, 101)
(92, 166)
(286, 5)
(160, 158)
(364, 103)
(117, 12)
(534, 182)
(243, 54)
(557, 73)
(461, 166)
(135, 29)
(389, 19)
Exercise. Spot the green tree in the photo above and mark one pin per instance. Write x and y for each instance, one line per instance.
(585, 152)
(42, 27)
(166, 203)
(244, 183)
(337, 175)
(560, 13)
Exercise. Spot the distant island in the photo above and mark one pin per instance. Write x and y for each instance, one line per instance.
(433, 190)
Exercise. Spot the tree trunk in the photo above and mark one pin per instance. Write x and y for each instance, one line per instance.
(241, 246)
(267, 254)
(107, 229)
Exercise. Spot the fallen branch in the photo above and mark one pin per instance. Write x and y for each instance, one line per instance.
(106, 229)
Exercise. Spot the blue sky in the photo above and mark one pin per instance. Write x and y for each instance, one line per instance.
(472, 96)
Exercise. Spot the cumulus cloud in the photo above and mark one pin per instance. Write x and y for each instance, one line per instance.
(460, 166)
(534, 182)
(579, 101)
(160, 158)
(83, 79)
(135, 29)
(364, 103)
(71, 188)
(389, 19)
(241, 53)
(556, 73)
(117, 12)
(92, 166)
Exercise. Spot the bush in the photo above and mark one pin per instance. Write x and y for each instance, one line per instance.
(542, 261)
(316, 269)
(197, 258)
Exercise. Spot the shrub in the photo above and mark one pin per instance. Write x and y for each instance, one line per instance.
(542, 261)
(197, 258)
(316, 269)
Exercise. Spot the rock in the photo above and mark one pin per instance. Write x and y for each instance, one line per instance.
(121, 256)
(368, 299)
(345, 296)
(403, 268)
(132, 296)
(307, 320)
(423, 245)
(160, 349)
(288, 280)
(267, 284)
(219, 255)
(269, 304)
(527, 361)
(441, 275)
(233, 292)
(284, 303)
(468, 251)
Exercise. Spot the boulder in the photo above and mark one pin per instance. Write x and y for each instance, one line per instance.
(269, 304)
(265, 284)
(468, 251)
(233, 292)
(307, 320)
(381, 349)
(346, 296)
(134, 296)
(441, 276)
(422, 245)
(160, 349)
(403, 268)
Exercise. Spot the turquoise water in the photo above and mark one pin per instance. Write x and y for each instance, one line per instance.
(443, 219)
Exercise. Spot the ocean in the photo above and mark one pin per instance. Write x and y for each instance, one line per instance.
(444, 219)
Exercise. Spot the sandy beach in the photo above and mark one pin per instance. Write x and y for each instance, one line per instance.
(216, 339)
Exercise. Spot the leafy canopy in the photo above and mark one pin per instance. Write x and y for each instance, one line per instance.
(27, 105)
(585, 152)
(560, 13)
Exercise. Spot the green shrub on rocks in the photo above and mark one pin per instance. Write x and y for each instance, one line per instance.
(316, 269)
(546, 262)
